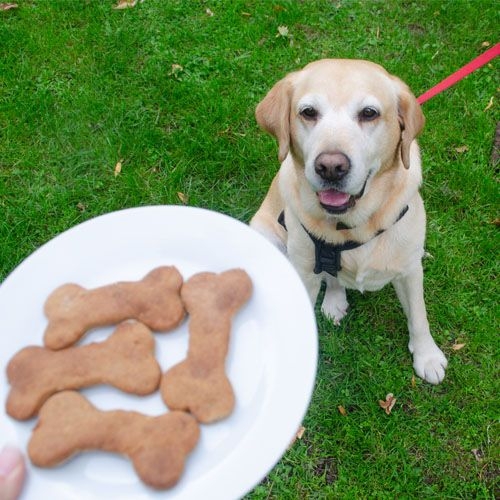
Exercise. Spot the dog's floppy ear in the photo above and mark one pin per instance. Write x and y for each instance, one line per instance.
(273, 114)
(411, 119)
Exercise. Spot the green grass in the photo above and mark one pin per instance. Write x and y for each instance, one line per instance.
(171, 92)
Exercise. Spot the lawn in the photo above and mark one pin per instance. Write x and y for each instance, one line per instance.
(167, 90)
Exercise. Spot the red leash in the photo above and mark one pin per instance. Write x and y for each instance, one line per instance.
(461, 73)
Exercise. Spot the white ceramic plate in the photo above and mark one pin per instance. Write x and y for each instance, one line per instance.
(271, 361)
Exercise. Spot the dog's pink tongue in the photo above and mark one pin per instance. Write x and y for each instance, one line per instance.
(333, 198)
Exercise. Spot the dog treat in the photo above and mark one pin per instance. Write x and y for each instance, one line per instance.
(199, 383)
(72, 310)
(157, 446)
(125, 360)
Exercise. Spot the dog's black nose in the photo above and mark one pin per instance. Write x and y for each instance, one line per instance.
(332, 166)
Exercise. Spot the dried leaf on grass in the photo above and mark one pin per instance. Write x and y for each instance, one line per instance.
(457, 347)
(388, 404)
(118, 168)
(462, 149)
(283, 31)
(176, 70)
(298, 435)
(182, 197)
(8, 6)
(342, 410)
(284, 34)
(490, 104)
(126, 4)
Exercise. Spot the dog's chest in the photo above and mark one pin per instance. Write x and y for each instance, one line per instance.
(371, 266)
(365, 280)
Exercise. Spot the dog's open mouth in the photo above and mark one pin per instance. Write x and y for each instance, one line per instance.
(336, 202)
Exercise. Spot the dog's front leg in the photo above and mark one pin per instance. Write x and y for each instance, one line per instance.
(335, 301)
(429, 361)
(311, 281)
(300, 252)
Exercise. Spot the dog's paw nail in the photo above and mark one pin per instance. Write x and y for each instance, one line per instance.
(431, 370)
(334, 312)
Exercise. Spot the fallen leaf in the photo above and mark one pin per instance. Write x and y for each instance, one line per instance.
(126, 4)
(182, 197)
(175, 70)
(118, 168)
(342, 410)
(485, 44)
(462, 149)
(8, 6)
(283, 31)
(413, 381)
(81, 207)
(496, 222)
(478, 454)
(388, 404)
(298, 435)
(209, 13)
(457, 347)
(490, 104)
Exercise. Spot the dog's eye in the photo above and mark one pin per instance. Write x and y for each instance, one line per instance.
(309, 113)
(368, 114)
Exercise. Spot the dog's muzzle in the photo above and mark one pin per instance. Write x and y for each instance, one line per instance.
(332, 168)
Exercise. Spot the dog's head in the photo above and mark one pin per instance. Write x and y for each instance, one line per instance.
(343, 122)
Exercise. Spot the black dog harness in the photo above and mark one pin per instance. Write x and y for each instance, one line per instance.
(327, 255)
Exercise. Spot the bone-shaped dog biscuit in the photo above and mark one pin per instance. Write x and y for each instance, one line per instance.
(125, 360)
(157, 446)
(199, 383)
(155, 301)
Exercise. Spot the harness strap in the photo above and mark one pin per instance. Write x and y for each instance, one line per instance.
(328, 255)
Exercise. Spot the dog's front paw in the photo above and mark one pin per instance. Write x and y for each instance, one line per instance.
(335, 304)
(430, 364)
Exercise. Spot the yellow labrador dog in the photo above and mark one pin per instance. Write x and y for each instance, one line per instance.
(345, 204)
